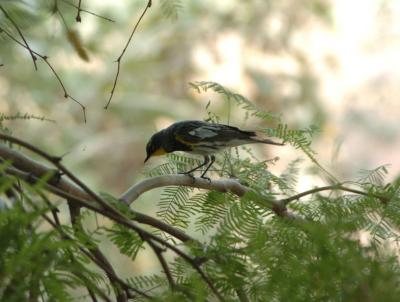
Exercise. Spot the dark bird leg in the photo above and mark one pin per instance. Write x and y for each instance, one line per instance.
(212, 157)
(206, 161)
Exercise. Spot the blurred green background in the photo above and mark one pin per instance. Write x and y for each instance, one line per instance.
(333, 64)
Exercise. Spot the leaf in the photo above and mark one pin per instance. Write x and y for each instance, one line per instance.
(76, 42)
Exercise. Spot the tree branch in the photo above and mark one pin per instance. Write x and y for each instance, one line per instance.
(334, 187)
(159, 253)
(78, 15)
(220, 185)
(109, 211)
(86, 11)
(105, 265)
(68, 190)
(55, 73)
(118, 61)
(34, 58)
(94, 202)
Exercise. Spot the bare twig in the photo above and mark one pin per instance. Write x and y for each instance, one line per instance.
(86, 11)
(78, 15)
(338, 187)
(159, 253)
(55, 73)
(34, 58)
(118, 61)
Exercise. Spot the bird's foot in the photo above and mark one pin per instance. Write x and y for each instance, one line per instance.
(206, 178)
(190, 174)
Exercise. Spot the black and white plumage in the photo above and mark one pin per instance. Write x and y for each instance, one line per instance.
(198, 137)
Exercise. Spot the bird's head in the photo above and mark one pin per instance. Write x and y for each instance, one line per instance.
(155, 146)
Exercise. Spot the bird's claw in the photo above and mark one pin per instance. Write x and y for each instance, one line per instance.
(188, 174)
(206, 178)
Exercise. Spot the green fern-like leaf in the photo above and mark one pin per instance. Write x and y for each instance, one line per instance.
(290, 176)
(128, 242)
(211, 208)
(175, 206)
(243, 102)
(147, 282)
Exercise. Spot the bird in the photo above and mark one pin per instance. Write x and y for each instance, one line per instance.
(202, 138)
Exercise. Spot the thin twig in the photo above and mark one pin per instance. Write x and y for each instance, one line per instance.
(75, 214)
(86, 11)
(34, 58)
(118, 61)
(45, 59)
(241, 294)
(92, 295)
(159, 253)
(339, 187)
(78, 15)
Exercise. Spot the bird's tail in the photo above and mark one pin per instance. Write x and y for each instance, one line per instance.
(254, 136)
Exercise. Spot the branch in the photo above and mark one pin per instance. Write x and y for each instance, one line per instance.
(65, 236)
(159, 253)
(103, 262)
(118, 61)
(339, 187)
(24, 163)
(55, 73)
(34, 58)
(220, 185)
(86, 11)
(78, 15)
(68, 190)
(110, 212)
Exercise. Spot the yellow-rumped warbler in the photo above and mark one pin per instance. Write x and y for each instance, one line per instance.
(202, 138)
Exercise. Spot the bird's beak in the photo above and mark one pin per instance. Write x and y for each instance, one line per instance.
(147, 158)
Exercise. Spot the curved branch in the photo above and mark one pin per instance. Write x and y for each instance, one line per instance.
(220, 185)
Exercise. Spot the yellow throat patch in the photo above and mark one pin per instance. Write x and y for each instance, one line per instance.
(158, 152)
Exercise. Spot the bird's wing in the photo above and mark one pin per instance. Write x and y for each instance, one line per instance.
(196, 132)
(193, 132)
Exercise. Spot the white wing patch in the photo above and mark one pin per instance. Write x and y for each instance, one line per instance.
(203, 132)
